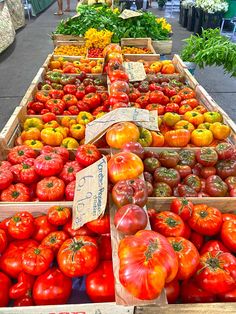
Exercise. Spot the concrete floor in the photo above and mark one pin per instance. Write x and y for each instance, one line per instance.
(20, 63)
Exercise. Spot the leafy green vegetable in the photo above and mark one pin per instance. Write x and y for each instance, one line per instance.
(211, 48)
(102, 17)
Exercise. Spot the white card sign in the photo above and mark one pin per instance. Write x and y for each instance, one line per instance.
(135, 71)
(127, 14)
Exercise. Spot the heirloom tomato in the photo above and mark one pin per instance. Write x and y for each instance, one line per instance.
(212, 117)
(162, 189)
(231, 182)
(47, 165)
(182, 207)
(168, 158)
(121, 133)
(187, 93)
(58, 215)
(52, 288)
(178, 138)
(228, 296)
(187, 157)
(205, 220)
(105, 250)
(201, 137)
(5, 284)
(226, 168)
(171, 118)
(145, 138)
(21, 226)
(172, 107)
(228, 234)
(42, 228)
(118, 75)
(87, 154)
(124, 165)
(193, 181)
(172, 290)
(183, 124)
(30, 134)
(157, 139)
(197, 239)
(188, 256)
(70, 191)
(216, 272)
(207, 171)
(186, 191)
(93, 100)
(82, 231)
(156, 97)
(224, 151)
(220, 130)
(119, 86)
(134, 147)
(69, 171)
(50, 189)
(61, 151)
(6, 178)
(54, 240)
(169, 176)
(194, 117)
(18, 154)
(191, 293)
(184, 171)
(192, 102)
(78, 256)
(100, 225)
(3, 240)
(15, 193)
(147, 262)
(216, 187)
(207, 156)
(100, 285)
(213, 245)
(52, 137)
(226, 216)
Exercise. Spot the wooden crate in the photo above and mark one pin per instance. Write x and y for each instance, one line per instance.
(59, 38)
(162, 47)
(139, 43)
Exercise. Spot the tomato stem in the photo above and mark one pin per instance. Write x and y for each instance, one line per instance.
(152, 247)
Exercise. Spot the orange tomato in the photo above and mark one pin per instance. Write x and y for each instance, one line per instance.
(51, 137)
(158, 139)
(191, 102)
(69, 142)
(200, 109)
(194, 117)
(34, 144)
(31, 134)
(201, 137)
(156, 66)
(67, 121)
(220, 130)
(51, 124)
(122, 133)
(183, 124)
(187, 93)
(55, 64)
(124, 166)
(177, 138)
(77, 131)
(168, 69)
(111, 48)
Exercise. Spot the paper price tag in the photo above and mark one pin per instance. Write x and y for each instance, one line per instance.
(152, 124)
(127, 14)
(90, 193)
(135, 71)
(96, 128)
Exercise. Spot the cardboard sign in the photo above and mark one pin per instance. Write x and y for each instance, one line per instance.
(96, 128)
(90, 193)
(127, 14)
(135, 71)
(152, 124)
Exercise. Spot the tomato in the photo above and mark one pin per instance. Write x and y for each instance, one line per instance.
(124, 165)
(172, 107)
(226, 168)
(186, 191)
(226, 216)
(216, 272)
(5, 284)
(93, 100)
(220, 130)
(151, 164)
(178, 138)
(119, 86)
(145, 138)
(55, 94)
(162, 189)
(184, 108)
(197, 239)
(169, 176)
(205, 220)
(35, 261)
(182, 207)
(52, 288)
(100, 225)
(6, 178)
(3, 241)
(157, 139)
(213, 245)
(58, 215)
(228, 234)
(147, 262)
(193, 181)
(104, 244)
(21, 226)
(201, 137)
(184, 171)
(188, 256)
(15, 193)
(50, 189)
(168, 224)
(118, 75)
(87, 154)
(168, 158)
(172, 290)
(79, 232)
(61, 151)
(42, 228)
(10, 261)
(224, 150)
(130, 218)
(216, 187)
(156, 97)
(192, 102)
(130, 192)
(207, 156)
(134, 147)
(47, 165)
(69, 171)
(121, 133)
(187, 93)
(18, 154)
(228, 296)
(26, 300)
(187, 157)
(78, 256)
(27, 173)
(5, 165)
(191, 293)
(207, 171)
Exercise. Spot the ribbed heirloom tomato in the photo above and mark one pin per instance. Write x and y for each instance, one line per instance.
(54, 240)
(21, 226)
(178, 138)
(50, 189)
(58, 215)
(147, 262)
(228, 234)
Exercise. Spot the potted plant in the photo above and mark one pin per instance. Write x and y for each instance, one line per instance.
(210, 49)
(212, 12)
(190, 6)
(161, 3)
(185, 4)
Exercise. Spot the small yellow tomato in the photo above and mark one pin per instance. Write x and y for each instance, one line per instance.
(33, 123)
(35, 144)
(77, 131)
(51, 137)
(70, 142)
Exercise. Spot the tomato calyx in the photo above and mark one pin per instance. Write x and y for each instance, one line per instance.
(53, 239)
(212, 262)
(172, 222)
(47, 157)
(70, 169)
(203, 213)
(50, 185)
(60, 209)
(177, 246)
(15, 194)
(16, 219)
(152, 247)
(25, 166)
(37, 251)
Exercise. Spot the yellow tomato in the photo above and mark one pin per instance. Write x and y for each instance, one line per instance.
(63, 130)
(51, 124)
(33, 123)
(77, 131)
(69, 142)
(201, 137)
(96, 69)
(84, 117)
(33, 144)
(55, 64)
(220, 130)
(100, 114)
(31, 134)
(67, 121)
(51, 137)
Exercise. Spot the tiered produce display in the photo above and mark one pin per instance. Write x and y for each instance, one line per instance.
(169, 222)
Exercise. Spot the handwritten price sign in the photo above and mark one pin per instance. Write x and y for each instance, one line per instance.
(90, 193)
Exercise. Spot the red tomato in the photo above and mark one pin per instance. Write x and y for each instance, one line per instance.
(100, 225)
(50, 189)
(6, 178)
(228, 296)
(70, 191)
(42, 228)
(93, 100)
(119, 86)
(172, 291)
(197, 239)
(69, 171)
(228, 216)
(228, 234)
(10, 261)
(118, 75)
(61, 151)
(48, 165)
(16, 193)
(205, 220)
(21, 226)
(172, 107)
(18, 154)
(78, 256)
(182, 207)
(87, 154)
(47, 117)
(58, 215)
(35, 261)
(191, 293)
(168, 224)
(188, 256)
(27, 173)
(3, 241)
(216, 272)
(156, 97)
(26, 300)
(84, 230)
(104, 244)
(192, 102)
(23, 286)
(213, 245)
(5, 284)
(54, 240)
(100, 285)
(52, 288)
(207, 156)
(147, 262)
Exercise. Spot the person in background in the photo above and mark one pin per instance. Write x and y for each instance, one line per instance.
(60, 7)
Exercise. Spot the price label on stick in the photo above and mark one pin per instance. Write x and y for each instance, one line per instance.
(90, 193)
(135, 71)
(127, 14)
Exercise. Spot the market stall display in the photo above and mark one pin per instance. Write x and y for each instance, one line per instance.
(124, 179)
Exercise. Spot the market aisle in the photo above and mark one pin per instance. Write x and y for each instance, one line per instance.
(20, 63)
